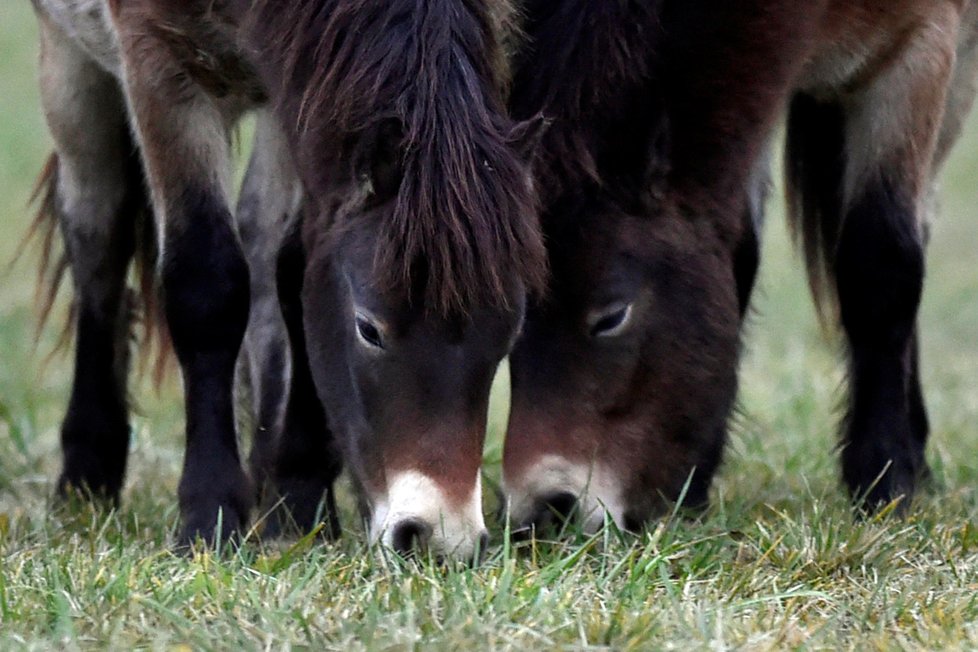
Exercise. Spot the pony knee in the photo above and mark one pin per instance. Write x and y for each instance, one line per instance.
(205, 280)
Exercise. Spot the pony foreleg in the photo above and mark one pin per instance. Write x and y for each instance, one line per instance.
(307, 461)
(184, 134)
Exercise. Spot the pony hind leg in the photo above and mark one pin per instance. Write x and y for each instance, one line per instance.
(867, 184)
(880, 262)
(868, 255)
(879, 269)
(96, 191)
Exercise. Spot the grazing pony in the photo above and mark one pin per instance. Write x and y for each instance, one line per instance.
(652, 178)
(402, 282)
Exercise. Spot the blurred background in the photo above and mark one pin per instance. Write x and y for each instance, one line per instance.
(782, 443)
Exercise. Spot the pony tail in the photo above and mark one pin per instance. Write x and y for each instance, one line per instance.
(53, 263)
(156, 349)
(814, 172)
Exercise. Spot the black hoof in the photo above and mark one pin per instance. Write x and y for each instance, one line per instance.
(94, 457)
(87, 478)
(215, 517)
(873, 489)
(212, 529)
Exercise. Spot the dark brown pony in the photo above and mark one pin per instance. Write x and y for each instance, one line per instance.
(653, 175)
(401, 290)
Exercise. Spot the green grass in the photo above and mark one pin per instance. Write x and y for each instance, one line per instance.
(777, 561)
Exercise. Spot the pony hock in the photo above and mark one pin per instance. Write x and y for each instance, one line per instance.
(418, 235)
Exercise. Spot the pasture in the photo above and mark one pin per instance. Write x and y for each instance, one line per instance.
(777, 561)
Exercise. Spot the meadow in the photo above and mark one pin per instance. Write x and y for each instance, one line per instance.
(777, 561)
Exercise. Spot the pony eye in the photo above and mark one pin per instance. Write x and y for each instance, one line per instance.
(611, 322)
(369, 334)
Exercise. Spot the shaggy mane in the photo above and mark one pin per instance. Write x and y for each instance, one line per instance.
(465, 211)
(588, 66)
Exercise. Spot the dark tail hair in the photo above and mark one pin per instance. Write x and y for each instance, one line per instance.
(156, 349)
(814, 181)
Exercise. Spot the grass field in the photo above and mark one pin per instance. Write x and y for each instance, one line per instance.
(777, 562)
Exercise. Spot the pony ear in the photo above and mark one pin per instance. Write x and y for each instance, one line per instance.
(527, 135)
(380, 164)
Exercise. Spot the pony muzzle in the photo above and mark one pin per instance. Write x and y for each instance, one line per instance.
(554, 492)
(417, 517)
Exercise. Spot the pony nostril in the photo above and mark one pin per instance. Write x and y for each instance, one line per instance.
(562, 504)
(410, 535)
(553, 510)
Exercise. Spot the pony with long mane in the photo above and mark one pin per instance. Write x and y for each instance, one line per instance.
(388, 210)
(654, 174)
